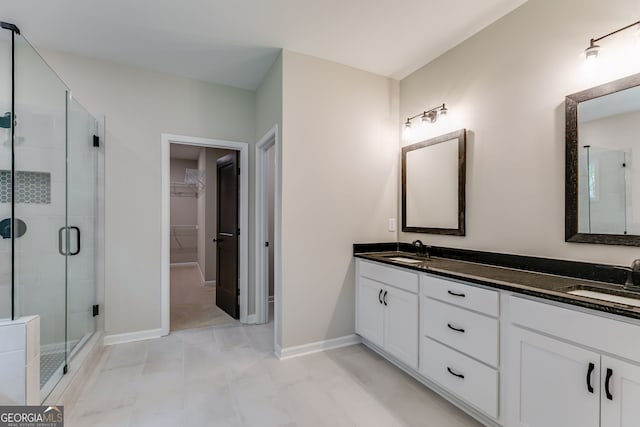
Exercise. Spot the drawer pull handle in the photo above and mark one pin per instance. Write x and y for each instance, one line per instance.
(607, 381)
(456, 294)
(380, 296)
(384, 298)
(454, 374)
(453, 328)
(589, 372)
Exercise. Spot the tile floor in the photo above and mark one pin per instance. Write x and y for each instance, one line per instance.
(193, 305)
(228, 376)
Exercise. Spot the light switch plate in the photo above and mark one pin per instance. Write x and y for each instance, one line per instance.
(392, 224)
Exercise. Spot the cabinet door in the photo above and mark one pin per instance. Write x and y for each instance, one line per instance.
(547, 382)
(370, 310)
(401, 325)
(620, 406)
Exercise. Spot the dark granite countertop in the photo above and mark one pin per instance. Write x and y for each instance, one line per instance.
(542, 285)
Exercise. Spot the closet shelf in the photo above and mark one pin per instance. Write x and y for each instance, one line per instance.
(181, 189)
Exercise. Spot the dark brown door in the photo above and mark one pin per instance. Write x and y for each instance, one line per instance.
(227, 235)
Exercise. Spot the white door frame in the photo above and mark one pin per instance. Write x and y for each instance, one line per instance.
(271, 138)
(243, 148)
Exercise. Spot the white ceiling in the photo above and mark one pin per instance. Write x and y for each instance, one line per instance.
(184, 152)
(234, 42)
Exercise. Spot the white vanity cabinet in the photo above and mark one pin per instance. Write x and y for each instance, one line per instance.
(506, 359)
(459, 339)
(622, 407)
(387, 309)
(566, 368)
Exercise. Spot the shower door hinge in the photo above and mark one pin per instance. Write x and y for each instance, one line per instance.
(65, 369)
(96, 310)
(96, 141)
(5, 121)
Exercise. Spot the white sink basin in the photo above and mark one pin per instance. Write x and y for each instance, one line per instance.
(607, 297)
(407, 260)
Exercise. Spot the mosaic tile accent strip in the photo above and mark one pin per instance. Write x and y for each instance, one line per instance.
(31, 187)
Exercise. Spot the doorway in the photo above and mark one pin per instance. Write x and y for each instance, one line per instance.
(267, 249)
(203, 240)
(191, 262)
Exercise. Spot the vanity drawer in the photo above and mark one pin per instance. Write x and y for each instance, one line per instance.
(473, 334)
(456, 293)
(447, 367)
(400, 278)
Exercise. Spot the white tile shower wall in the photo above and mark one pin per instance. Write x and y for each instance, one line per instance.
(20, 361)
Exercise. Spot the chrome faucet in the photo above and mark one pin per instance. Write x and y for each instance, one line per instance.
(633, 277)
(421, 249)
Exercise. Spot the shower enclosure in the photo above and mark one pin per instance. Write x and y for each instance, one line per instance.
(51, 165)
(603, 200)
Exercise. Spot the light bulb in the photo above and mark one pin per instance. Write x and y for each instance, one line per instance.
(407, 124)
(442, 112)
(591, 53)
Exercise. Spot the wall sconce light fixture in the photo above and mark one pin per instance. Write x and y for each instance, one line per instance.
(591, 53)
(428, 116)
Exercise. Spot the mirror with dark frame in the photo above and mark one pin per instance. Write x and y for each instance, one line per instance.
(433, 185)
(602, 201)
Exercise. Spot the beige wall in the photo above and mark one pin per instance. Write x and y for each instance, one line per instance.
(269, 100)
(184, 211)
(139, 106)
(339, 187)
(507, 86)
(203, 198)
(268, 114)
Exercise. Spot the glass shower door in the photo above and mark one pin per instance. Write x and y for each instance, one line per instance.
(82, 170)
(40, 206)
(5, 174)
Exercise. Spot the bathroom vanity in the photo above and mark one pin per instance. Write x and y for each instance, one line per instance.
(515, 343)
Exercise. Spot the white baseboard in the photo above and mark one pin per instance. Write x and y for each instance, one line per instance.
(277, 351)
(183, 264)
(210, 283)
(132, 336)
(201, 272)
(316, 347)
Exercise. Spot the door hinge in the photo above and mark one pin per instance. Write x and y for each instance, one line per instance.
(266, 244)
(238, 231)
(238, 292)
(96, 310)
(65, 369)
(5, 121)
(238, 171)
(96, 141)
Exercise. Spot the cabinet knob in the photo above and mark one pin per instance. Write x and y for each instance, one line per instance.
(380, 296)
(384, 298)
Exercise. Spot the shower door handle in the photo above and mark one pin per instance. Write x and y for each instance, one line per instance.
(77, 240)
(61, 239)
